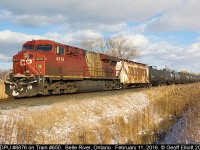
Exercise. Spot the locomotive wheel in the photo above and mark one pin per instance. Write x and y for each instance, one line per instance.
(56, 91)
(71, 88)
(123, 87)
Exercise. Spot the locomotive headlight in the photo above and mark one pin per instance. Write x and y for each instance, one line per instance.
(27, 71)
(29, 87)
(14, 60)
(25, 55)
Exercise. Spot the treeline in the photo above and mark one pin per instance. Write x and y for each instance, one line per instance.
(3, 73)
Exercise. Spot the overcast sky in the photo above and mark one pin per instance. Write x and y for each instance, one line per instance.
(167, 32)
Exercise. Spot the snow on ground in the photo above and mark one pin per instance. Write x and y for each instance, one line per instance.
(176, 134)
(185, 131)
(62, 120)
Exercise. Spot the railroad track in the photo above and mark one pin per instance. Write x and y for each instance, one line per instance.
(11, 103)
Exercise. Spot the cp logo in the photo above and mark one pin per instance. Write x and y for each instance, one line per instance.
(23, 62)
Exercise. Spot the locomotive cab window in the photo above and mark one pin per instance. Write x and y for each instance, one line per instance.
(60, 50)
(44, 48)
(28, 47)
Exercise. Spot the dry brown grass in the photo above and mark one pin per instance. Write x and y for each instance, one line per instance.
(2, 90)
(192, 123)
(87, 123)
(169, 103)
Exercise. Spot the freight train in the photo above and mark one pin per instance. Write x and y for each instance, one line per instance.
(45, 67)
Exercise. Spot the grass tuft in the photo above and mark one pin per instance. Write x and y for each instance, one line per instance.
(2, 90)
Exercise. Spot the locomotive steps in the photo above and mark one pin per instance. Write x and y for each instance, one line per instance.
(130, 116)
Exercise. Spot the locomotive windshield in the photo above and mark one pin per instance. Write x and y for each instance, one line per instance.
(44, 48)
(28, 47)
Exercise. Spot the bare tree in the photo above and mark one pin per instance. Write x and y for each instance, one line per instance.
(96, 45)
(119, 46)
(122, 47)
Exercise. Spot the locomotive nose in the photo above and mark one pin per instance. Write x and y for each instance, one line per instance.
(23, 63)
(26, 60)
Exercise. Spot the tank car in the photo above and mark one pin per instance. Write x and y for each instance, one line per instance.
(160, 77)
(193, 78)
(177, 77)
(45, 67)
(183, 78)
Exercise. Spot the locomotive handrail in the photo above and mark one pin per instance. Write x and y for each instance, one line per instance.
(99, 72)
(39, 72)
(35, 70)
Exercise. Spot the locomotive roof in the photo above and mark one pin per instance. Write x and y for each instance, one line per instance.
(49, 41)
(43, 40)
(103, 55)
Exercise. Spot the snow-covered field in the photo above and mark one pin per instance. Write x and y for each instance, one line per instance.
(187, 128)
(65, 122)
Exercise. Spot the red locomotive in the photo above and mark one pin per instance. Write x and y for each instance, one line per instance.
(45, 67)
